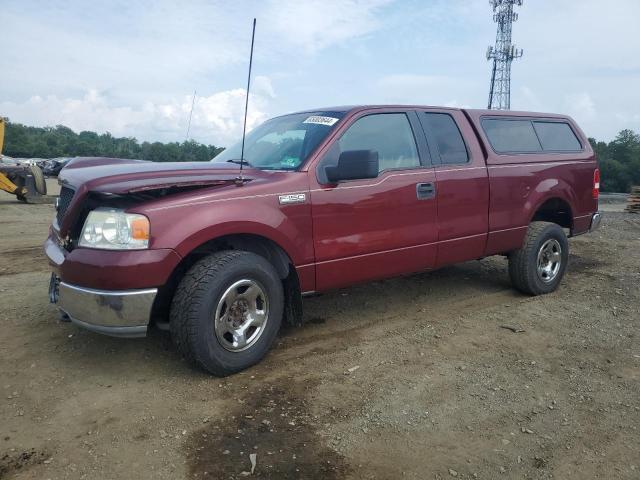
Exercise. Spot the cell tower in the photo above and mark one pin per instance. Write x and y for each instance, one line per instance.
(503, 53)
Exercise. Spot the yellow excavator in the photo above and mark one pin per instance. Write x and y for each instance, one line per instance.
(24, 181)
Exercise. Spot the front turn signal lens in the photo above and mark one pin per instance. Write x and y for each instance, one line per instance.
(140, 229)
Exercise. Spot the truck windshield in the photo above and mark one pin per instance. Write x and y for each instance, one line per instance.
(282, 143)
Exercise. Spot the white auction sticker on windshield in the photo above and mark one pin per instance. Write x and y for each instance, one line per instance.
(320, 120)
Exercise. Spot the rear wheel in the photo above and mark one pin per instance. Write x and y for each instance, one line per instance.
(227, 311)
(538, 267)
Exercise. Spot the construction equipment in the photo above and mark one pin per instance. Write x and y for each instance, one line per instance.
(24, 181)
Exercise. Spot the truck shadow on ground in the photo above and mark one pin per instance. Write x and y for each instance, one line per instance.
(586, 265)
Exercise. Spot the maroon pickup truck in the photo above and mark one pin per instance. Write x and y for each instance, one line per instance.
(325, 199)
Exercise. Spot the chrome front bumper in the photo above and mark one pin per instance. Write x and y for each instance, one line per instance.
(123, 313)
(596, 219)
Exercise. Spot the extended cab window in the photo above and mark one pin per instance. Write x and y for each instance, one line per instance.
(511, 136)
(389, 134)
(557, 136)
(448, 138)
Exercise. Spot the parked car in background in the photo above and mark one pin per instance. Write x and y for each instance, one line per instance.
(20, 161)
(52, 167)
(326, 199)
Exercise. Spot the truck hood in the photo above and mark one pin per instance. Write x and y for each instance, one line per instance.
(121, 176)
(113, 176)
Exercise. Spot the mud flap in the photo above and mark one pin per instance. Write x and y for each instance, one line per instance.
(293, 314)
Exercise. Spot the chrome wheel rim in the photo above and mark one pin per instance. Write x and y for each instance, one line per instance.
(549, 260)
(241, 315)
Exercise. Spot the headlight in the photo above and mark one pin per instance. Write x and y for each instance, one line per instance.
(113, 229)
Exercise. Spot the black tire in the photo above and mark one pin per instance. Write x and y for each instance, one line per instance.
(523, 263)
(194, 307)
(38, 179)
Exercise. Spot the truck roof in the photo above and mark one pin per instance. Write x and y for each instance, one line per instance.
(473, 112)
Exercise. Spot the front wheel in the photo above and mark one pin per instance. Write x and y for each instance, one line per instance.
(538, 267)
(227, 311)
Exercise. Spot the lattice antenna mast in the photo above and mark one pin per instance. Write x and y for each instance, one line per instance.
(502, 54)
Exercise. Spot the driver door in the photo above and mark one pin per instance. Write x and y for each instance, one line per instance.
(379, 227)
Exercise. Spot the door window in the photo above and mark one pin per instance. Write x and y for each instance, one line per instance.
(448, 138)
(389, 134)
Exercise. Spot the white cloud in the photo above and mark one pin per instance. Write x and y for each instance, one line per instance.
(127, 67)
(422, 89)
(528, 97)
(132, 49)
(217, 118)
(410, 81)
(318, 24)
(580, 106)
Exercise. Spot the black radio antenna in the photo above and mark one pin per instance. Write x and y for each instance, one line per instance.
(246, 103)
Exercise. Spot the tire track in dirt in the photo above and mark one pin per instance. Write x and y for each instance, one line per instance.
(15, 462)
(272, 421)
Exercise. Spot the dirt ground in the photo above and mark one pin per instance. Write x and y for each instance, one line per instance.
(408, 378)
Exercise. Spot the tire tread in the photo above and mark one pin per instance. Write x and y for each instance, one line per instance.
(521, 270)
(183, 318)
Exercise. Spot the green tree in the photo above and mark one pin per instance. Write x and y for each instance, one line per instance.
(22, 141)
(619, 161)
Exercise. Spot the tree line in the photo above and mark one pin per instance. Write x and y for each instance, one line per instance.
(22, 141)
(619, 159)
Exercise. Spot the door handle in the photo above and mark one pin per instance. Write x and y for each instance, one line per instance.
(425, 190)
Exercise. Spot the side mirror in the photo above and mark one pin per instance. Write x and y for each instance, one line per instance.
(353, 165)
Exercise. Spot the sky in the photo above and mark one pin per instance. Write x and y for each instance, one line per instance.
(131, 68)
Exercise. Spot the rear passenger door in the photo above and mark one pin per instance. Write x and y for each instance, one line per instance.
(463, 185)
(379, 227)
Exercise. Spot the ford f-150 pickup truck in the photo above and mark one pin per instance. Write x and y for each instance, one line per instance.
(222, 253)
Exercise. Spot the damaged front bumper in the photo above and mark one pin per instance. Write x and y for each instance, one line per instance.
(123, 313)
(109, 292)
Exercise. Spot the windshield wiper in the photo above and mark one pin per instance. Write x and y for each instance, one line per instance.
(239, 161)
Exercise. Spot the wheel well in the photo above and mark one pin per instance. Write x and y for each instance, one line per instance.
(554, 210)
(247, 242)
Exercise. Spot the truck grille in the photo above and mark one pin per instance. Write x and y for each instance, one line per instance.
(66, 195)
